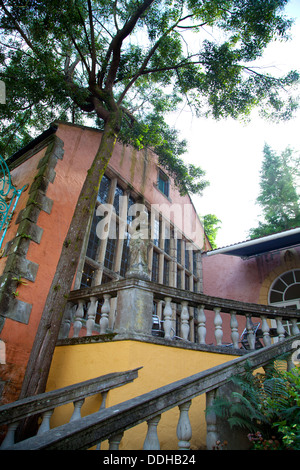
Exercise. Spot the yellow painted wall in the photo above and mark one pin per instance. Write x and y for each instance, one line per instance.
(160, 364)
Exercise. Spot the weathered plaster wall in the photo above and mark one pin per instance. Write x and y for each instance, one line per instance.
(247, 280)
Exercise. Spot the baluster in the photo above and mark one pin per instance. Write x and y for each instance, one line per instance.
(103, 402)
(211, 421)
(91, 315)
(102, 407)
(184, 429)
(167, 318)
(234, 329)
(266, 331)
(77, 410)
(45, 425)
(78, 317)
(295, 329)
(250, 333)
(185, 316)
(280, 329)
(201, 325)
(114, 441)
(105, 311)
(218, 326)
(9, 439)
(151, 441)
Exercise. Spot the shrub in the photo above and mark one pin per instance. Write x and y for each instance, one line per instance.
(267, 406)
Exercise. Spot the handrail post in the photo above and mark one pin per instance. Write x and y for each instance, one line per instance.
(250, 332)
(265, 329)
(79, 314)
(105, 311)
(9, 439)
(114, 441)
(151, 441)
(211, 421)
(185, 327)
(234, 329)
(184, 429)
(201, 325)
(167, 325)
(91, 315)
(218, 326)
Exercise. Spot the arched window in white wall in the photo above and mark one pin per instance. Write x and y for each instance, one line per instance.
(285, 292)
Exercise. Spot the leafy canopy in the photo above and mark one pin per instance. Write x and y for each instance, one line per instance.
(278, 198)
(136, 61)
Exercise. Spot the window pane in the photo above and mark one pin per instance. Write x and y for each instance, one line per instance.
(155, 259)
(156, 232)
(87, 276)
(163, 183)
(293, 292)
(166, 272)
(119, 192)
(110, 253)
(125, 255)
(167, 240)
(187, 282)
(288, 278)
(187, 259)
(275, 297)
(279, 286)
(179, 251)
(195, 262)
(131, 201)
(94, 241)
(104, 190)
(179, 278)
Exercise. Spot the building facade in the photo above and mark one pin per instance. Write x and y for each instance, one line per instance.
(135, 194)
(264, 271)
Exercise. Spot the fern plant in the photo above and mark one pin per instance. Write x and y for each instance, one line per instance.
(266, 405)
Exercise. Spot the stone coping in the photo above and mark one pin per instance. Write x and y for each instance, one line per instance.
(181, 344)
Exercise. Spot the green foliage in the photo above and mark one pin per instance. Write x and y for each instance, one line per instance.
(90, 61)
(278, 198)
(267, 405)
(211, 227)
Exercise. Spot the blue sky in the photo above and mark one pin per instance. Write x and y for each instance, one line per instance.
(231, 152)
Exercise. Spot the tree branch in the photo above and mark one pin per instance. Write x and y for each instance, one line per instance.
(18, 28)
(93, 49)
(114, 49)
(142, 69)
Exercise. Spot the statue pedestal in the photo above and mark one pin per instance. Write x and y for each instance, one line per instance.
(135, 304)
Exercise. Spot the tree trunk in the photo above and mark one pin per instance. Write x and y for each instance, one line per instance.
(48, 330)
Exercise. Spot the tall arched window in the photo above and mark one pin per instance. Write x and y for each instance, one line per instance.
(285, 292)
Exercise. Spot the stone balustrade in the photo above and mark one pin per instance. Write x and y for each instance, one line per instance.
(134, 302)
(45, 403)
(111, 423)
